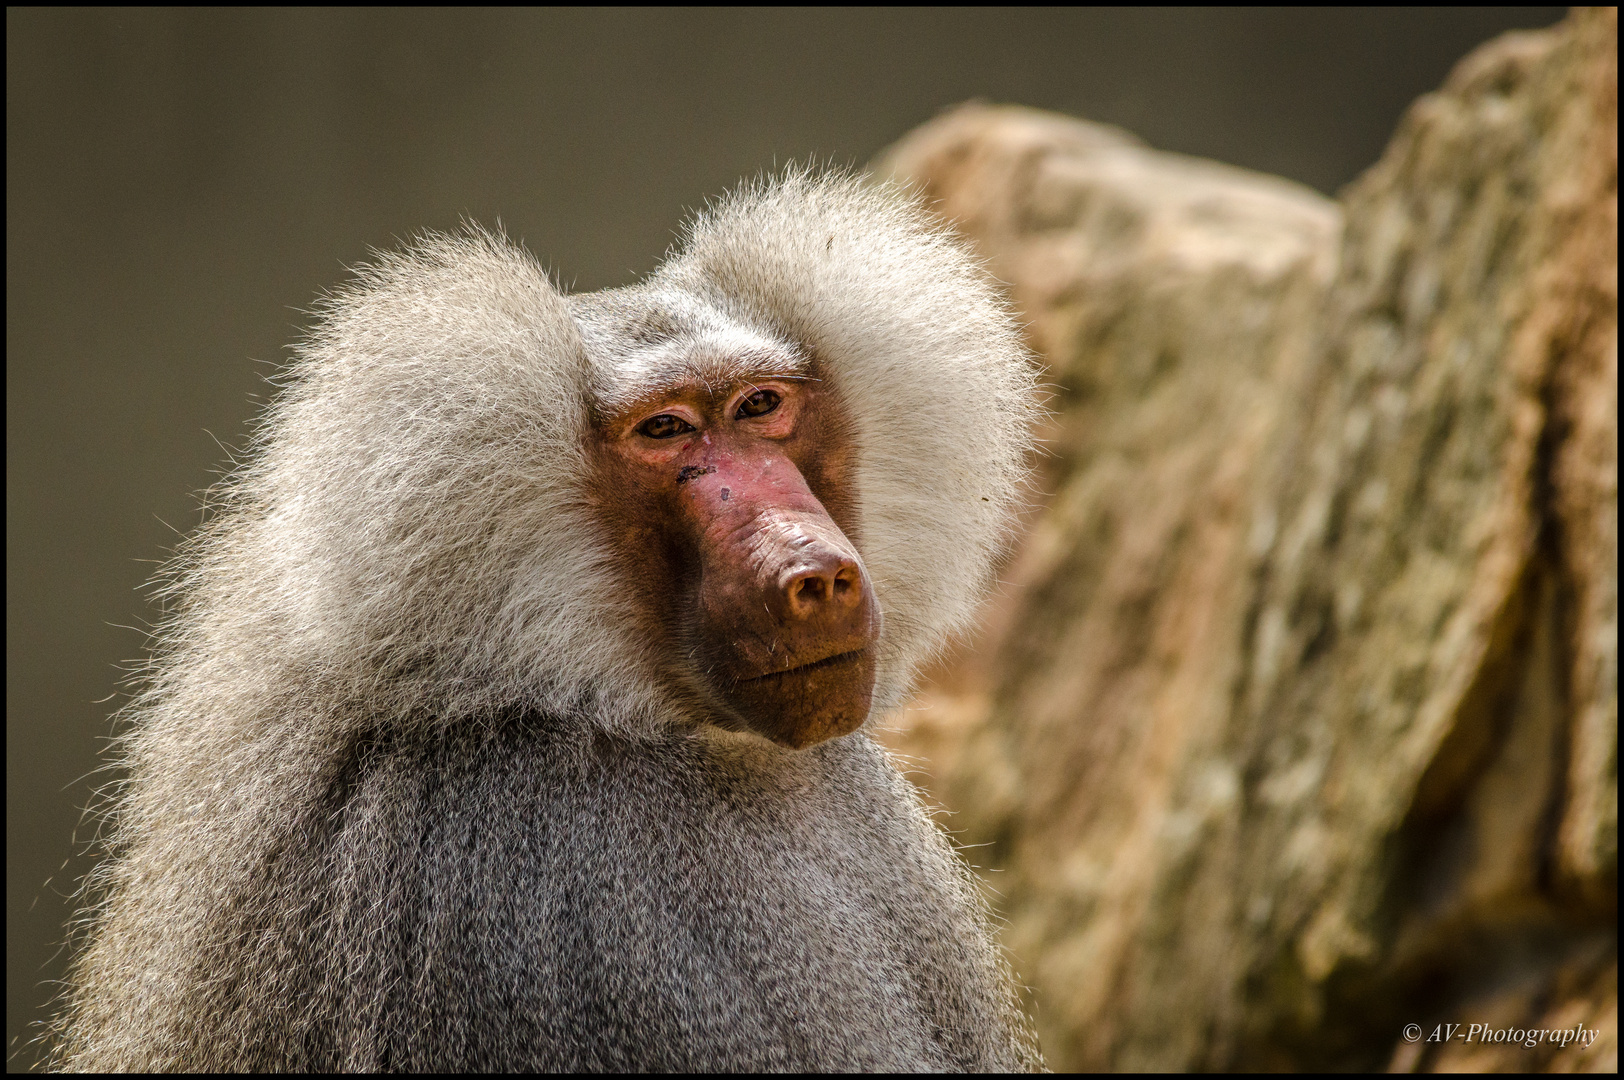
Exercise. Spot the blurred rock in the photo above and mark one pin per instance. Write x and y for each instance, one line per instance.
(1296, 720)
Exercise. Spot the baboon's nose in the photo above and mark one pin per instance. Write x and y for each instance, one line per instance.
(828, 583)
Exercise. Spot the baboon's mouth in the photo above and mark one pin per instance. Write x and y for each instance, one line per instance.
(816, 665)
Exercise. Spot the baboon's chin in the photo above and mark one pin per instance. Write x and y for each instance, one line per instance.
(807, 705)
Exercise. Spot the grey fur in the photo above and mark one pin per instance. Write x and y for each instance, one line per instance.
(407, 789)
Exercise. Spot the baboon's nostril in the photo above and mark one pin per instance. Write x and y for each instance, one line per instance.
(838, 582)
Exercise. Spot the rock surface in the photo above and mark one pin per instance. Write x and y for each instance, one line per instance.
(1296, 720)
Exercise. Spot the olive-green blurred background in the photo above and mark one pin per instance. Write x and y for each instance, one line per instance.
(180, 184)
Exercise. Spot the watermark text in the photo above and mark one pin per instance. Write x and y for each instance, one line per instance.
(1488, 1033)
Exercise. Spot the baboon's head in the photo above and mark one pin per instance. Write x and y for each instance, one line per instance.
(755, 490)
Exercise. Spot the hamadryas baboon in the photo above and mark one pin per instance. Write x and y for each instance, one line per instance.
(510, 712)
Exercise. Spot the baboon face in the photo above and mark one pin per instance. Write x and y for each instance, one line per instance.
(726, 505)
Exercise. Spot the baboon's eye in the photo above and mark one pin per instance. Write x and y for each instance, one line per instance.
(759, 403)
(664, 426)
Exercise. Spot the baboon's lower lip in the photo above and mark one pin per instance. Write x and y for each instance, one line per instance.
(826, 662)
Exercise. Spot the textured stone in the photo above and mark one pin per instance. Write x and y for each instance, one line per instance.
(1296, 720)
